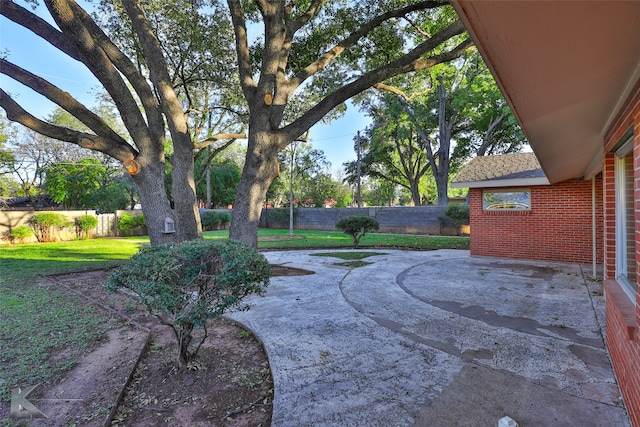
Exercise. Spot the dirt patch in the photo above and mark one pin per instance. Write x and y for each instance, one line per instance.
(281, 270)
(230, 383)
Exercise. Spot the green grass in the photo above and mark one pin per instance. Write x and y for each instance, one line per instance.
(311, 239)
(22, 264)
(353, 264)
(43, 330)
(37, 323)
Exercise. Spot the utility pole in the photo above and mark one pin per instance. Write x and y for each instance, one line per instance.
(291, 162)
(358, 164)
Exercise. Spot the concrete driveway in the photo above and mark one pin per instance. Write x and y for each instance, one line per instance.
(435, 339)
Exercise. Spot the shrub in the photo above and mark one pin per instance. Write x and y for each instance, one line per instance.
(128, 222)
(84, 224)
(19, 234)
(44, 224)
(459, 214)
(357, 227)
(185, 284)
(211, 219)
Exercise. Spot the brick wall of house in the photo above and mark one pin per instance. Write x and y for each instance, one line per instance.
(557, 228)
(623, 314)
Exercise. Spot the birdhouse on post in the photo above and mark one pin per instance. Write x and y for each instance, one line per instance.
(169, 226)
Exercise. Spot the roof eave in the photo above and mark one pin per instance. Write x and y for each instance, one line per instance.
(495, 183)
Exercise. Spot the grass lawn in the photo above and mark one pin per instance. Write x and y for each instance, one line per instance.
(312, 239)
(39, 321)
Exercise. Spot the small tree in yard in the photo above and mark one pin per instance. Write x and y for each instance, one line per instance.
(44, 224)
(19, 234)
(188, 283)
(84, 225)
(357, 227)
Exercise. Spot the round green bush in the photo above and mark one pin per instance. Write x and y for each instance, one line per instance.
(211, 219)
(185, 284)
(19, 234)
(128, 222)
(357, 226)
(459, 214)
(84, 224)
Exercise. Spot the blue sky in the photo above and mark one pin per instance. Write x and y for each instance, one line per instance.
(32, 53)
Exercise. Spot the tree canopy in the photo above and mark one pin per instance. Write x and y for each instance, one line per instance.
(312, 56)
(167, 68)
(153, 67)
(431, 123)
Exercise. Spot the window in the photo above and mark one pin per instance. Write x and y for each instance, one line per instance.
(625, 220)
(506, 200)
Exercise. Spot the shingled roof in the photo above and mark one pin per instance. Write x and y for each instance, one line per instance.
(516, 169)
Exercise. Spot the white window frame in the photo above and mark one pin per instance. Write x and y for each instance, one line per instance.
(627, 284)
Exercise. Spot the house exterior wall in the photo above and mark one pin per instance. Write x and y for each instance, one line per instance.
(623, 313)
(557, 228)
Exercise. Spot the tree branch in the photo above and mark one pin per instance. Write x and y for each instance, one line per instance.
(294, 25)
(159, 74)
(38, 26)
(61, 98)
(488, 134)
(399, 92)
(129, 70)
(211, 156)
(410, 62)
(212, 140)
(122, 152)
(354, 37)
(101, 66)
(242, 49)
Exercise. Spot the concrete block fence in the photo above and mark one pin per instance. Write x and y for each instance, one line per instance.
(401, 219)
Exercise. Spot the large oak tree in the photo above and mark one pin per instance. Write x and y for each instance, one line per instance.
(142, 89)
(310, 58)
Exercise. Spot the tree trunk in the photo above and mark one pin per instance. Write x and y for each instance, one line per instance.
(260, 169)
(155, 204)
(183, 188)
(442, 185)
(415, 193)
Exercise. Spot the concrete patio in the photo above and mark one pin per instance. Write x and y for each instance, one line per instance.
(436, 339)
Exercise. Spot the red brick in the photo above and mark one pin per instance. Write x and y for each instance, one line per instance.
(558, 227)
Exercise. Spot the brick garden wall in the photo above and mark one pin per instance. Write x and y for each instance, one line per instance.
(557, 228)
(623, 314)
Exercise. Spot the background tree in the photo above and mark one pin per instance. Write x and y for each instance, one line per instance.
(8, 186)
(224, 177)
(6, 156)
(198, 46)
(379, 192)
(393, 151)
(455, 111)
(490, 127)
(310, 58)
(300, 164)
(87, 184)
(34, 154)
